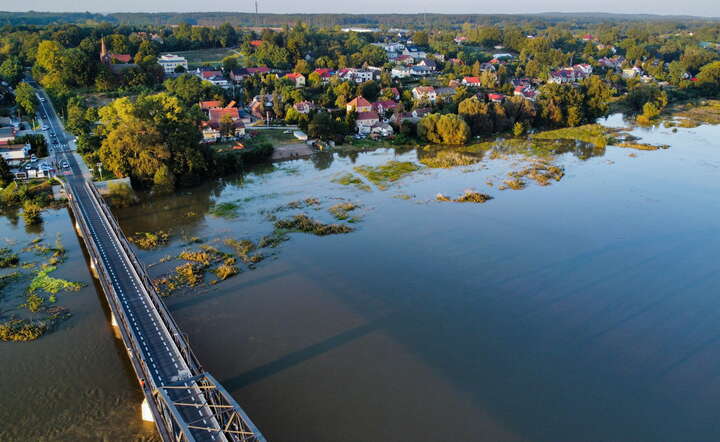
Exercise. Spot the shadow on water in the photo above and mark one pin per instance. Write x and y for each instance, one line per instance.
(297, 357)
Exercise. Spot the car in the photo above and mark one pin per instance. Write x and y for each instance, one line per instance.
(65, 165)
(42, 99)
(28, 166)
(33, 158)
(45, 128)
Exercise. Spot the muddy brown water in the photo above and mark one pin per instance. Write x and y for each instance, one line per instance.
(584, 310)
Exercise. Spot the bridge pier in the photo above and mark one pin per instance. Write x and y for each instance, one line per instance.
(93, 269)
(147, 415)
(77, 227)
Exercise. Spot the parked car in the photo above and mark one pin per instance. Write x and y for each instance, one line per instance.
(65, 165)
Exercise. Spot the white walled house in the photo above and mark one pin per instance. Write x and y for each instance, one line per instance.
(170, 62)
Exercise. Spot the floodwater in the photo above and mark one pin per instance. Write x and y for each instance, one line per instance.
(584, 310)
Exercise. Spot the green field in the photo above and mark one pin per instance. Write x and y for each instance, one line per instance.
(212, 56)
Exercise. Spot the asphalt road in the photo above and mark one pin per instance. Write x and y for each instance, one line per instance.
(158, 349)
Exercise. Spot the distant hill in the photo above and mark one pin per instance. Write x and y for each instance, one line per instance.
(390, 20)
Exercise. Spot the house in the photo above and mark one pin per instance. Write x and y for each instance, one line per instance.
(211, 104)
(456, 62)
(454, 84)
(502, 56)
(444, 93)
(324, 73)
(170, 63)
(570, 74)
(496, 98)
(401, 72)
(460, 39)
(424, 93)
(256, 43)
(526, 92)
(304, 107)
(365, 121)
(359, 105)
(632, 72)
(15, 154)
(487, 67)
(7, 133)
(214, 77)
(297, 78)
(383, 106)
(393, 92)
(239, 74)
(405, 59)
(471, 81)
(211, 129)
(588, 37)
(428, 64)
(381, 130)
(356, 75)
(421, 112)
(421, 71)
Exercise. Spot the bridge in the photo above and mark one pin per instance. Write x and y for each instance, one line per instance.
(185, 402)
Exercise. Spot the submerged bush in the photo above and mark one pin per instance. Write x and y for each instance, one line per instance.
(22, 330)
(303, 223)
(8, 258)
(148, 240)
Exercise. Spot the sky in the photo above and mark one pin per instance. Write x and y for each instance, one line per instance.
(702, 8)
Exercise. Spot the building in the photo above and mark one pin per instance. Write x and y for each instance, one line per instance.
(304, 107)
(359, 105)
(7, 134)
(365, 121)
(381, 130)
(383, 106)
(212, 129)
(401, 72)
(15, 154)
(170, 63)
(471, 81)
(296, 78)
(424, 93)
(118, 63)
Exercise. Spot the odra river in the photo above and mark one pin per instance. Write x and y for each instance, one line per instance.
(583, 310)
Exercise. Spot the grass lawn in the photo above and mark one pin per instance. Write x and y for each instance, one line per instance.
(272, 136)
(212, 56)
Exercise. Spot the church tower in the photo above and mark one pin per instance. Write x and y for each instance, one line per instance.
(104, 56)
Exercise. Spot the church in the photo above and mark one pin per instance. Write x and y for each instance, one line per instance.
(118, 63)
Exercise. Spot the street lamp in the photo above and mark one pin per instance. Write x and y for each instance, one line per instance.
(99, 166)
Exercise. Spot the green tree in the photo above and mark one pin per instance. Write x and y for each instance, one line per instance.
(25, 98)
(31, 212)
(444, 129)
(6, 177)
(11, 70)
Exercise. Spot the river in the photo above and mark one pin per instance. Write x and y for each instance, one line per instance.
(583, 310)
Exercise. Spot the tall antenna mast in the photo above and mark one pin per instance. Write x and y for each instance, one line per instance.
(257, 17)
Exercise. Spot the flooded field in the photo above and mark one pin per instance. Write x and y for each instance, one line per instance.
(541, 290)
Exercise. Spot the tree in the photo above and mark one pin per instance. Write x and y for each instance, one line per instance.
(6, 177)
(163, 180)
(227, 126)
(154, 131)
(420, 38)
(11, 70)
(709, 76)
(518, 129)
(31, 213)
(369, 90)
(444, 129)
(25, 98)
(302, 67)
(190, 89)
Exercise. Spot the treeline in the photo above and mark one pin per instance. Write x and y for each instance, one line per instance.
(392, 20)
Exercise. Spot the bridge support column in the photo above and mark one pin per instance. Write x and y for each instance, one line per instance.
(77, 227)
(147, 415)
(113, 321)
(93, 269)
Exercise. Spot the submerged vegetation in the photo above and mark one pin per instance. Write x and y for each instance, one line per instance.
(226, 210)
(305, 224)
(590, 133)
(39, 295)
(694, 114)
(149, 240)
(341, 211)
(387, 173)
(349, 179)
(470, 196)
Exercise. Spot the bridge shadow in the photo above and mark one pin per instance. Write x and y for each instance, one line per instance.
(193, 300)
(300, 356)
